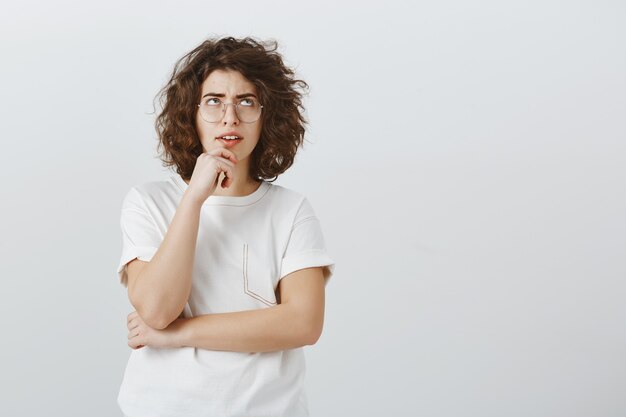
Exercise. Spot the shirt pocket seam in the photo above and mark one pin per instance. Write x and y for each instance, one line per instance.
(246, 282)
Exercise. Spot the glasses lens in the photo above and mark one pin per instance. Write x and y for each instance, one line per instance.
(210, 111)
(248, 110)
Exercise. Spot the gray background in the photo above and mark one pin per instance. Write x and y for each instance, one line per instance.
(466, 160)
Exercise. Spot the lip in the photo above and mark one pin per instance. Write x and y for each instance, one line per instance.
(229, 143)
(231, 133)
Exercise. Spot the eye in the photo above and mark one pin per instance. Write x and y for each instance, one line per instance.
(247, 102)
(210, 101)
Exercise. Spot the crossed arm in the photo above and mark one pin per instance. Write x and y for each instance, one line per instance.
(295, 322)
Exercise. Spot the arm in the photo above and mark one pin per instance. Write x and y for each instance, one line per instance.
(159, 289)
(296, 322)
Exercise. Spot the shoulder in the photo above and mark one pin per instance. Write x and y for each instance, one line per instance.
(296, 203)
(284, 193)
(149, 193)
(288, 196)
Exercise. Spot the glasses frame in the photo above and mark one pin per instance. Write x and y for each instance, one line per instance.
(224, 104)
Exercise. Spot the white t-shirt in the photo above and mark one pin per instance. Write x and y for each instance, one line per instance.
(245, 245)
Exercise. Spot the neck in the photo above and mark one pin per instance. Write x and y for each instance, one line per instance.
(240, 187)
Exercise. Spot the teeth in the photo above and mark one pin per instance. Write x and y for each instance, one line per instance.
(230, 137)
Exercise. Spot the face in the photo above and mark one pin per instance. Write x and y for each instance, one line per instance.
(225, 86)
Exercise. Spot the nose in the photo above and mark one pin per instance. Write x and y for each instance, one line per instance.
(230, 114)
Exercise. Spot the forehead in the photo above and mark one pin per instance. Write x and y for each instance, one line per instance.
(228, 82)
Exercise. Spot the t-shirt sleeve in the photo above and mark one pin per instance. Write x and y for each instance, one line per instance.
(140, 235)
(306, 247)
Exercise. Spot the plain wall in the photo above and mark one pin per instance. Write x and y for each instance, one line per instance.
(466, 160)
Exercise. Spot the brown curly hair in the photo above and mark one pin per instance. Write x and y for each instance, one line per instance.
(283, 122)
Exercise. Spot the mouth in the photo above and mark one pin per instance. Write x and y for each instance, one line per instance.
(229, 140)
(230, 137)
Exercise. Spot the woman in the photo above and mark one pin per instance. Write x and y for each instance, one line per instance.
(226, 270)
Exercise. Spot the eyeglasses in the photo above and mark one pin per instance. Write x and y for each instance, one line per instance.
(213, 110)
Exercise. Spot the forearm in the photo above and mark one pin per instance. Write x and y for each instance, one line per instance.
(162, 288)
(269, 329)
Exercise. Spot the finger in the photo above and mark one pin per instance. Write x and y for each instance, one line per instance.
(132, 315)
(227, 181)
(224, 161)
(220, 151)
(223, 168)
(135, 346)
(134, 322)
(228, 177)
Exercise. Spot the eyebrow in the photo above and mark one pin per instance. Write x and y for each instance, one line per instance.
(224, 95)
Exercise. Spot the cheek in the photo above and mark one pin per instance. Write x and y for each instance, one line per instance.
(203, 131)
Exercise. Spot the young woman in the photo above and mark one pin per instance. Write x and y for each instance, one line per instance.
(226, 270)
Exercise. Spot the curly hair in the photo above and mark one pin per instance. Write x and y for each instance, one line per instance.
(283, 122)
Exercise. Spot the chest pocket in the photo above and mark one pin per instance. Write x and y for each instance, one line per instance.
(257, 278)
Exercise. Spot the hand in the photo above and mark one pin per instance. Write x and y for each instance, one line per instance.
(140, 334)
(209, 166)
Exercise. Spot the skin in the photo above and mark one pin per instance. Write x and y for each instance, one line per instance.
(239, 183)
(295, 322)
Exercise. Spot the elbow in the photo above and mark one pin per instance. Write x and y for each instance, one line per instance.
(155, 314)
(157, 322)
(313, 334)
(152, 320)
(152, 317)
(309, 324)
